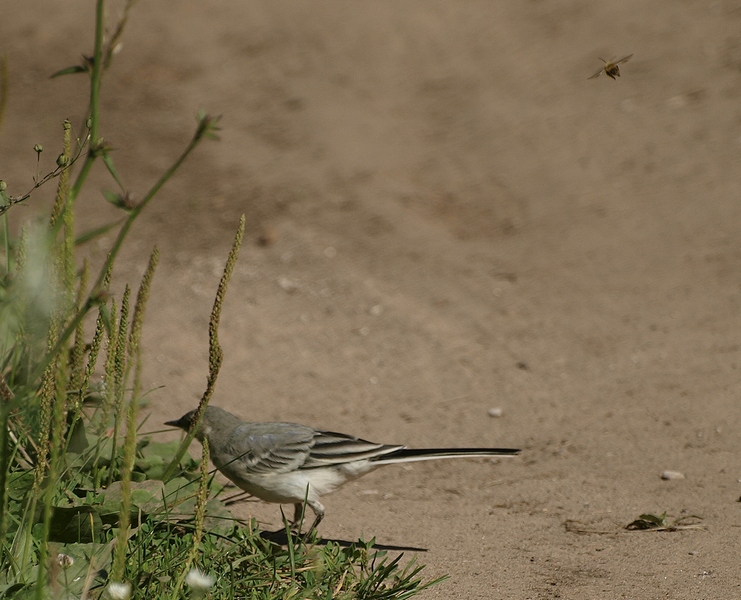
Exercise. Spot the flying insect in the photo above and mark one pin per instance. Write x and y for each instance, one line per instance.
(611, 68)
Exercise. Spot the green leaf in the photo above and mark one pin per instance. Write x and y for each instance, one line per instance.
(114, 198)
(145, 496)
(112, 170)
(20, 484)
(76, 524)
(97, 232)
(69, 71)
(13, 590)
(648, 521)
(91, 556)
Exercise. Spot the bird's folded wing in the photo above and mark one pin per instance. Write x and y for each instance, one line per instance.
(266, 448)
(332, 448)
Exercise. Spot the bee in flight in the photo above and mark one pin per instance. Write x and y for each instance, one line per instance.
(610, 68)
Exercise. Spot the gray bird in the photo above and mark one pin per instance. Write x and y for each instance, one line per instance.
(289, 463)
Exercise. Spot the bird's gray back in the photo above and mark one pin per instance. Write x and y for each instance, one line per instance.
(258, 448)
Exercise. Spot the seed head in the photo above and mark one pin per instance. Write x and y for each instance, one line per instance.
(119, 591)
(199, 581)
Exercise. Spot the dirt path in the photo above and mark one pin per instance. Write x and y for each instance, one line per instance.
(459, 221)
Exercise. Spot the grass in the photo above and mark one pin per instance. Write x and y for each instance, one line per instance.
(90, 507)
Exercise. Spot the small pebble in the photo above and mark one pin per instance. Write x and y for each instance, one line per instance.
(288, 285)
(495, 412)
(376, 310)
(694, 553)
(268, 236)
(671, 475)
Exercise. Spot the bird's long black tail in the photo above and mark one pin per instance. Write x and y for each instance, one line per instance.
(417, 454)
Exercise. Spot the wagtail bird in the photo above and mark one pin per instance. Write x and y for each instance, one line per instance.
(289, 463)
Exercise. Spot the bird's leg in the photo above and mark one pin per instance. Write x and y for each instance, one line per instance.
(318, 509)
(316, 522)
(298, 514)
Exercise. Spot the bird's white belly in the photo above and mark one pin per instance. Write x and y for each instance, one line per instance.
(287, 488)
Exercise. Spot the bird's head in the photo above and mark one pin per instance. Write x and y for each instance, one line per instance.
(212, 416)
(188, 421)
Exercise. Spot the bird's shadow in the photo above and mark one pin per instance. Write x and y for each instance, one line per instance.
(281, 538)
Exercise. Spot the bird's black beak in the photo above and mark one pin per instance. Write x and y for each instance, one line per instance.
(182, 423)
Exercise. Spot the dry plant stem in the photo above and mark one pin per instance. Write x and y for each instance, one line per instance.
(119, 560)
(60, 201)
(215, 354)
(77, 366)
(53, 398)
(62, 171)
(79, 372)
(119, 370)
(199, 518)
(56, 377)
(133, 356)
(108, 382)
(24, 460)
(81, 390)
(13, 200)
(137, 322)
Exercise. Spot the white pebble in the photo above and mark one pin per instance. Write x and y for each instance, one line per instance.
(288, 284)
(376, 310)
(671, 475)
(495, 412)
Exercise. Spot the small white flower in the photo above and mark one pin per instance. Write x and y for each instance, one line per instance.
(199, 581)
(65, 560)
(119, 591)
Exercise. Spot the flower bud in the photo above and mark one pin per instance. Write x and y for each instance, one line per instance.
(65, 560)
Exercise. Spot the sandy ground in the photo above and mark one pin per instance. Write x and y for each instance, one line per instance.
(458, 221)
